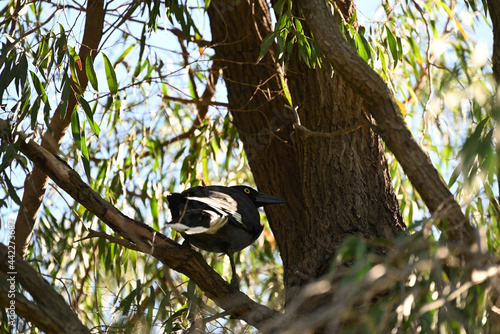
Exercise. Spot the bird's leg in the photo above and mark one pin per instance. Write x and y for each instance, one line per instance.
(235, 284)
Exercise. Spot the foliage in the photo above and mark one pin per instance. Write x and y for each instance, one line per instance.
(146, 84)
(414, 289)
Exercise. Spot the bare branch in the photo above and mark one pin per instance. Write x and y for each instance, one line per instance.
(205, 102)
(309, 133)
(110, 238)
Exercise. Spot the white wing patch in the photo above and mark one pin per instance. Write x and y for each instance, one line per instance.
(222, 212)
(218, 217)
(186, 229)
(238, 218)
(216, 222)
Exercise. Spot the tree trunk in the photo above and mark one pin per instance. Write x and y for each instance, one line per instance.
(336, 186)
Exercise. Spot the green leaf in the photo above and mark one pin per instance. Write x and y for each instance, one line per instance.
(34, 111)
(154, 211)
(90, 116)
(204, 162)
(21, 73)
(79, 137)
(65, 96)
(85, 153)
(278, 6)
(110, 75)
(91, 75)
(61, 46)
(286, 91)
(126, 302)
(266, 44)
(361, 47)
(125, 53)
(392, 45)
(298, 27)
(11, 190)
(75, 129)
(75, 57)
(38, 86)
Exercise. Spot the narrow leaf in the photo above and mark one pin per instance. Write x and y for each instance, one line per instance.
(266, 44)
(392, 45)
(110, 75)
(154, 211)
(90, 116)
(91, 75)
(361, 47)
(75, 129)
(11, 190)
(85, 152)
(65, 96)
(75, 56)
(38, 86)
(125, 53)
(204, 162)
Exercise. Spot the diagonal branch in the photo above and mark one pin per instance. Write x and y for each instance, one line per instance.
(36, 183)
(48, 310)
(390, 123)
(182, 259)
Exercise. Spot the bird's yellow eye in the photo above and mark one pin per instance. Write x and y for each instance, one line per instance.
(247, 191)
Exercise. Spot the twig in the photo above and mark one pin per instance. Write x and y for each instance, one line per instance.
(122, 242)
(310, 133)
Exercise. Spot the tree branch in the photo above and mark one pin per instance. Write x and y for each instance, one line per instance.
(390, 123)
(205, 99)
(49, 312)
(494, 8)
(36, 183)
(182, 259)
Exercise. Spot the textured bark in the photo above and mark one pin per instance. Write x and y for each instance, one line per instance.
(390, 123)
(335, 187)
(494, 10)
(142, 237)
(36, 182)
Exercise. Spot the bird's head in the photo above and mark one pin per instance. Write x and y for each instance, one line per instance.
(259, 199)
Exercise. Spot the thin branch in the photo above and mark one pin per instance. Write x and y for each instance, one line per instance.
(37, 27)
(110, 238)
(206, 99)
(309, 133)
(429, 69)
(200, 102)
(187, 64)
(147, 240)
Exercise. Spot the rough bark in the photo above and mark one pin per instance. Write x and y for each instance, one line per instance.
(335, 187)
(390, 124)
(36, 182)
(142, 237)
(494, 10)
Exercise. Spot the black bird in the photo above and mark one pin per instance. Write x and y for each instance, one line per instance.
(219, 219)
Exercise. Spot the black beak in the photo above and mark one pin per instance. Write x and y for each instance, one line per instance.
(265, 199)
